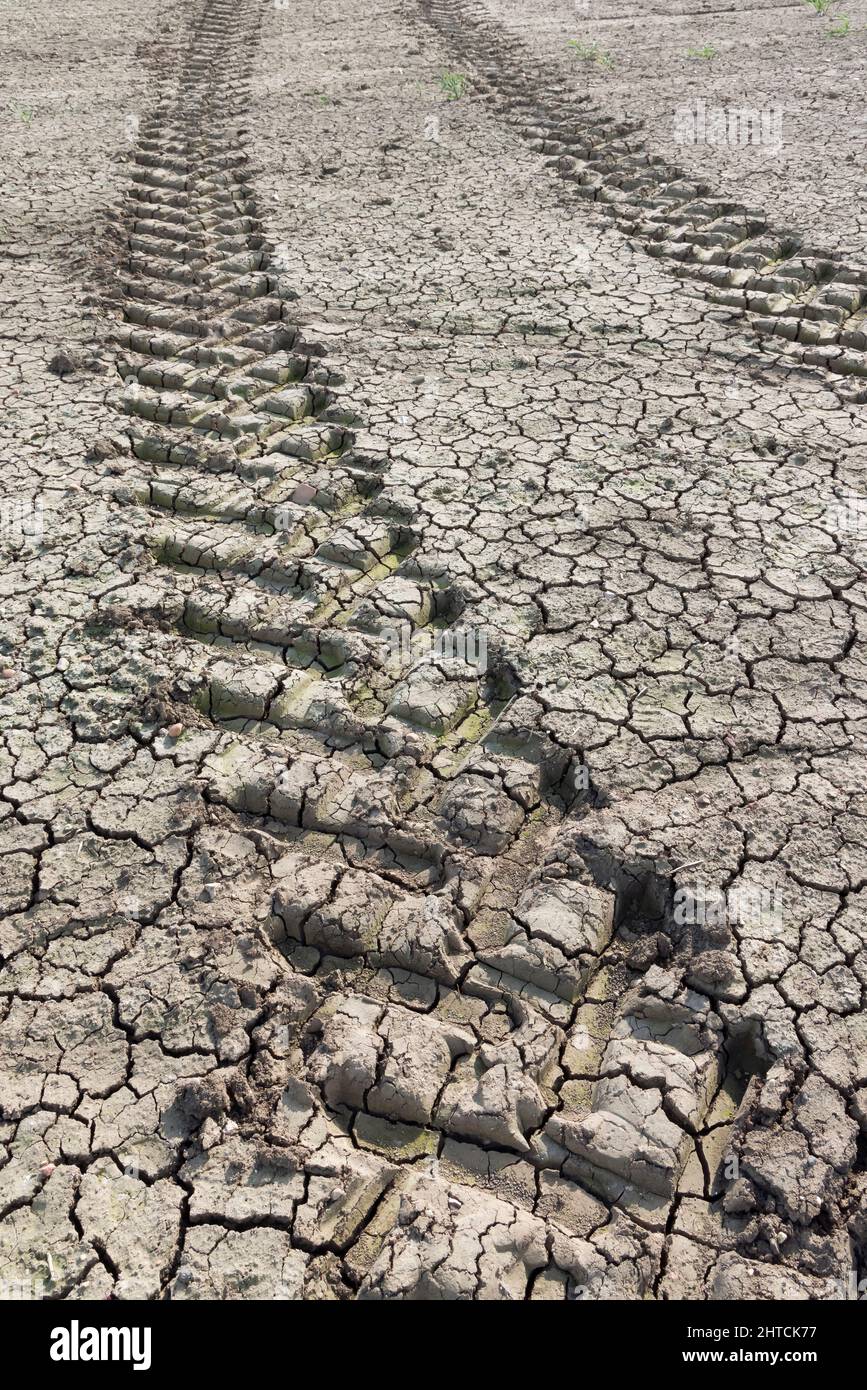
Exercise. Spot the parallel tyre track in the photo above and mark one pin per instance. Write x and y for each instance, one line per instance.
(808, 306)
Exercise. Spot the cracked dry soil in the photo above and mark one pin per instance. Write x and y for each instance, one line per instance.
(334, 968)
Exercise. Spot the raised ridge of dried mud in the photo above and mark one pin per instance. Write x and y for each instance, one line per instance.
(333, 971)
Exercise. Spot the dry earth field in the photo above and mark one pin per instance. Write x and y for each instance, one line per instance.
(433, 701)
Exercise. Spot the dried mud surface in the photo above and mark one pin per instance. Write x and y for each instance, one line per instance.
(340, 968)
(770, 54)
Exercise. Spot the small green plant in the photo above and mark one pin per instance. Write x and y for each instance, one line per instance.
(26, 115)
(840, 29)
(454, 84)
(821, 6)
(707, 50)
(591, 53)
